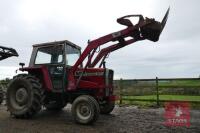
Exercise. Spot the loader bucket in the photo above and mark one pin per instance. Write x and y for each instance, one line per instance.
(152, 29)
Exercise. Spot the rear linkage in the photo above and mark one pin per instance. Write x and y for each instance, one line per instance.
(146, 28)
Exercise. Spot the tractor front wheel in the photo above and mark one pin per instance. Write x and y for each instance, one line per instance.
(85, 109)
(24, 96)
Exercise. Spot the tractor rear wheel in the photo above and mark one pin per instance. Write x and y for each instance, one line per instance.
(24, 96)
(85, 109)
(107, 108)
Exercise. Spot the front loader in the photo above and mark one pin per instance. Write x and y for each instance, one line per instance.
(58, 73)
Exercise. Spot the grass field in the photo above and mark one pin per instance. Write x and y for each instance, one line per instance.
(133, 100)
(178, 83)
(143, 92)
(166, 97)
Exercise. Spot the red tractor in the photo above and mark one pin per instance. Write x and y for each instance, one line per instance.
(57, 75)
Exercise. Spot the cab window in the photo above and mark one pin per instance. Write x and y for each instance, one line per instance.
(72, 55)
(49, 55)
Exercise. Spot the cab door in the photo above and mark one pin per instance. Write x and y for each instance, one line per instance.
(72, 54)
(53, 58)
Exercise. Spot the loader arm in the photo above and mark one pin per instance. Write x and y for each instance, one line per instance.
(104, 52)
(147, 28)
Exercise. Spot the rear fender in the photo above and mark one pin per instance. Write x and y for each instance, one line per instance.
(41, 73)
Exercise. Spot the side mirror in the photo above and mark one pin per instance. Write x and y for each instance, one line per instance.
(22, 64)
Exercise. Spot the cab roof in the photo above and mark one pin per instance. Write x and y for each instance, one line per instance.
(56, 43)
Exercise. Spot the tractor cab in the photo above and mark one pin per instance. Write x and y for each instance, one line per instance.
(54, 53)
(57, 57)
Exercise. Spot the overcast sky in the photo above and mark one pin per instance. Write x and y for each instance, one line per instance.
(176, 54)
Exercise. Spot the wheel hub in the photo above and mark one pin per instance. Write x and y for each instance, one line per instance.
(83, 111)
(21, 95)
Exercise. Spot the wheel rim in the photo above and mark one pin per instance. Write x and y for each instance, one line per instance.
(83, 111)
(21, 96)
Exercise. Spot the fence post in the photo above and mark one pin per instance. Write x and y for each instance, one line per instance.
(157, 92)
(120, 88)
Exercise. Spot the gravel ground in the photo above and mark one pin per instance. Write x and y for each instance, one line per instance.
(121, 120)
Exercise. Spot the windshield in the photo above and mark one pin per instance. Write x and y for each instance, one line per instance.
(72, 55)
(49, 55)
